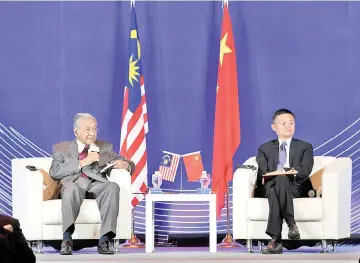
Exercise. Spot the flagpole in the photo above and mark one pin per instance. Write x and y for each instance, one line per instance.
(181, 175)
(133, 242)
(228, 241)
(229, 87)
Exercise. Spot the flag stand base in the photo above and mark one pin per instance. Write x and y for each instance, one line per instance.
(228, 242)
(133, 242)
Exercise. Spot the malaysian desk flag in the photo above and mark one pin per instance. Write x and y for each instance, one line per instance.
(169, 164)
(134, 117)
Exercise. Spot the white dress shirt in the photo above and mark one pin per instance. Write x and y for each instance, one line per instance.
(287, 147)
(80, 145)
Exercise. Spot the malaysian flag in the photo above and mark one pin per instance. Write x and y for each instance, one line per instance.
(134, 117)
(169, 165)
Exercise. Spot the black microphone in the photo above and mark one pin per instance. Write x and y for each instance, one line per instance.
(31, 168)
(244, 166)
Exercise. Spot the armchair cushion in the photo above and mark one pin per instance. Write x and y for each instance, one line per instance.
(316, 179)
(51, 187)
(89, 212)
(305, 209)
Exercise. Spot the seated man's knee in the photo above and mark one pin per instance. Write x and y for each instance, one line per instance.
(70, 188)
(270, 192)
(281, 179)
(113, 188)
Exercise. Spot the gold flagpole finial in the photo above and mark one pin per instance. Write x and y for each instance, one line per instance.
(225, 2)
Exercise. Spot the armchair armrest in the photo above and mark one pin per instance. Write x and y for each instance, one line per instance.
(243, 186)
(336, 195)
(27, 198)
(123, 179)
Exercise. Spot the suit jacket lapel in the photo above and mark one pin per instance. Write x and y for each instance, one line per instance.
(100, 145)
(73, 150)
(292, 152)
(275, 153)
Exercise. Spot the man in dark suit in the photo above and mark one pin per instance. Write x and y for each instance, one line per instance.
(77, 164)
(282, 154)
(13, 244)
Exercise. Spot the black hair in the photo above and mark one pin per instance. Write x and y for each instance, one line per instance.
(282, 111)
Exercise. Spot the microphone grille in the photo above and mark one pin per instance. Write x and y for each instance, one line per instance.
(311, 193)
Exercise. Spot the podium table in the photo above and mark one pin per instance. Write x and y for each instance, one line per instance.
(166, 197)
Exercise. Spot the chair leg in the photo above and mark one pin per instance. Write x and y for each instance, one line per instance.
(39, 247)
(33, 245)
(249, 246)
(334, 243)
(323, 246)
(116, 245)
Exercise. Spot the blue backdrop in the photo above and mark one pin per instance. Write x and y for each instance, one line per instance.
(60, 58)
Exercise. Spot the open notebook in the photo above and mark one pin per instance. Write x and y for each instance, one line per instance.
(271, 175)
(108, 166)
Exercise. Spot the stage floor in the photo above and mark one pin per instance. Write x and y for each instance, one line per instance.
(345, 254)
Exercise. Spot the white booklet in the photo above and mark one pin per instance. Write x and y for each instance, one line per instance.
(108, 166)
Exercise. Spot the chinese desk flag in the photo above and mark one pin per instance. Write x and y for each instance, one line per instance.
(193, 166)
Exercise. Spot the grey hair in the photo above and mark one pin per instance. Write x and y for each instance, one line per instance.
(81, 116)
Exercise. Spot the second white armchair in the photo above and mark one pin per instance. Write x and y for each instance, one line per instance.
(324, 218)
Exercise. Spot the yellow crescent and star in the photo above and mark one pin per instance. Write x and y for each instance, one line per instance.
(196, 160)
(166, 159)
(224, 49)
(133, 68)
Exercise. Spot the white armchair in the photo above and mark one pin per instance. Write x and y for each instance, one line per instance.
(41, 220)
(326, 218)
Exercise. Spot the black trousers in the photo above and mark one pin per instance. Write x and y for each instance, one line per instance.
(280, 192)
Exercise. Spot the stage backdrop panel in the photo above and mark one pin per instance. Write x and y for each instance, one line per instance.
(60, 58)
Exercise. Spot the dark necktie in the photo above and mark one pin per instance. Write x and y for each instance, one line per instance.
(282, 156)
(83, 155)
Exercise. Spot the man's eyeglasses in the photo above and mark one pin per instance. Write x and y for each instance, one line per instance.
(93, 130)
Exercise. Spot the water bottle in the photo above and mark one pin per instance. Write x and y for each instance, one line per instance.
(156, 180)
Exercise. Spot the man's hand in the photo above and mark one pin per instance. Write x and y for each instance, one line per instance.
(120, 164)
(92, 157)
(9, 228)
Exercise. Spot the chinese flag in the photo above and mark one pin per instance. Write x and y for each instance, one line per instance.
(227, 116)
(193, 166)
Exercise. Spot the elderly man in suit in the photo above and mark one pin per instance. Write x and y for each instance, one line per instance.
(283, 153)
(78, 170)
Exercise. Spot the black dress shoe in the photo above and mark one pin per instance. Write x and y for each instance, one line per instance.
(66, 248)
(104, 248)
(294, 233)
(274, 247)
